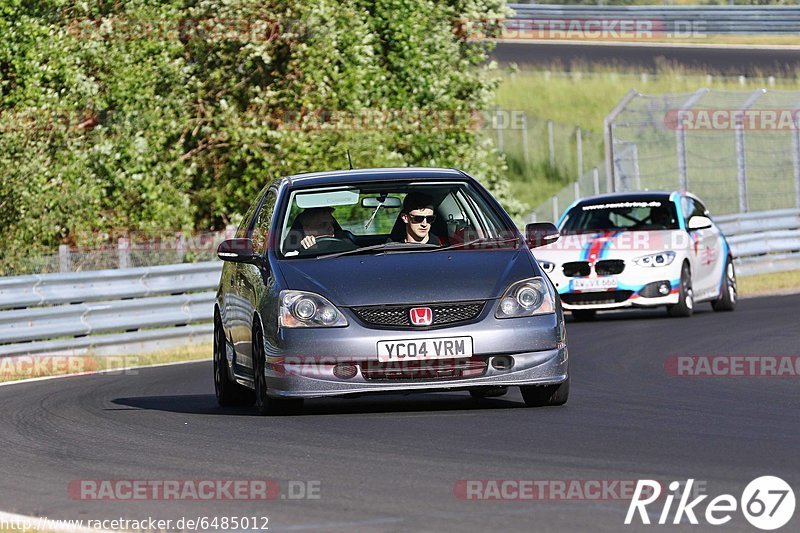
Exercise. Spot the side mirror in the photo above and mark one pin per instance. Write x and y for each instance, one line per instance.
(699, 222)
(541, 234)
(237, 251)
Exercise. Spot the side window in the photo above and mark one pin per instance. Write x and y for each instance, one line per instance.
(692, 208)
(263, 222)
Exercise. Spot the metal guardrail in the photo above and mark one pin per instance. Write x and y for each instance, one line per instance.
(140, 309)
(763, 242)
(677, 20)
(108, 311)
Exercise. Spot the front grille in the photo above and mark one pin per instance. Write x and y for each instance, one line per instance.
(577, 269)
(595, 298)
(422, 370)
(609, 267)
(397, 316)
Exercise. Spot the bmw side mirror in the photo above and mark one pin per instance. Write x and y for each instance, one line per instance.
(698, 222)
(541, 234)
(238, 251)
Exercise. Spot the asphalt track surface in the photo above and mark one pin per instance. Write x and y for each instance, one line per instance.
(727, 61)
(390, 463)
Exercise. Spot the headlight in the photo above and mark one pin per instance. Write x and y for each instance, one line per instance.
(656, 260)
(528, 297)
(547, 266)
(301, 309)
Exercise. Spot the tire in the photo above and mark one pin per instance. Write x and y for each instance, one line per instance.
(544, 395)
(265, 404)
(583, 315)
(685, 305)
(228, 392)
(728, 294)
(480, 393)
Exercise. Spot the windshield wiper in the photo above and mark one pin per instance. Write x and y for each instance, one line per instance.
(381, 247)
(493, 240)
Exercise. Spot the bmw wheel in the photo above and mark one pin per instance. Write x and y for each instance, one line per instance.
(728, 293)
(685, 305)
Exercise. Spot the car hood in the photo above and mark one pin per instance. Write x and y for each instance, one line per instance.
(612, 244)
(410, 277)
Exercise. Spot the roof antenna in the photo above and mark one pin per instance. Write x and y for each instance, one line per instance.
(349, 160)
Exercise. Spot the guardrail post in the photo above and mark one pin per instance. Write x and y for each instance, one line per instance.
(64, 260)
(596, 180)
(741, 163)
(124, 252)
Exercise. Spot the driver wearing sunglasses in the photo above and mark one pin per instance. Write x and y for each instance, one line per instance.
(417, 215)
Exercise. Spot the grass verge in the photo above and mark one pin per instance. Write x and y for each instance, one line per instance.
(772, 283)
(34, 366)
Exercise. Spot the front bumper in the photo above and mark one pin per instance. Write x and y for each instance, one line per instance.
(300, 362)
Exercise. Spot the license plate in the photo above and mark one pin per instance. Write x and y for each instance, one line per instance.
(422, 349)
(594, 284)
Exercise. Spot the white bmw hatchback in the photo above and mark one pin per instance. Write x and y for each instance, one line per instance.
(640, 249)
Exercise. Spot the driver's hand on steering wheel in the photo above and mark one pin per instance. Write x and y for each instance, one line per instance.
(310, 240)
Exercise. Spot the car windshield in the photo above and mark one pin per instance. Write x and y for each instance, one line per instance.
(620, 215)
(393, 217)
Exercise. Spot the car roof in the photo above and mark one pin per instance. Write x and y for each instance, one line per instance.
(631, 196)
(334, 177)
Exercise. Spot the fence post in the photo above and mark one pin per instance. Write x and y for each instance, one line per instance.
(555, 209)
(741, 163)
(180, 246)
(64, 261)
(576, 187)
(499, 116)
(525, 138)
(124, 252)
(680, 138)
(796, 153)
(551, 143)
(608, 136)
(579, 143)
(596, 180)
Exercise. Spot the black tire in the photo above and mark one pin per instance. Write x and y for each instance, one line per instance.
(728, 294)
(685, 305)
(583, 315)
(480, 393)
(265, 404)
(543, 395)
(228, 392)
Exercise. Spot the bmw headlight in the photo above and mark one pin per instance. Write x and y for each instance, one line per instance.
(656, 260)
(547, 266)
(300, 309)
(528, 297)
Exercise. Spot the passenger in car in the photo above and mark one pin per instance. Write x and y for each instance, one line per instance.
(417, 218)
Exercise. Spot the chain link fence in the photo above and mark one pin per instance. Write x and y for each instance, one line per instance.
(738, 150)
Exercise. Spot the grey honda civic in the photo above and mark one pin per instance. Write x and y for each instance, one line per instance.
(400, 280)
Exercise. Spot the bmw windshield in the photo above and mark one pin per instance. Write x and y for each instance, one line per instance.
(621, 215)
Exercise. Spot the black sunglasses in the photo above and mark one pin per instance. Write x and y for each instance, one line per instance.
(417, 219)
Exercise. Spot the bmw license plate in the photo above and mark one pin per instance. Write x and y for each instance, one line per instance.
(422, 349)
(594, 284)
